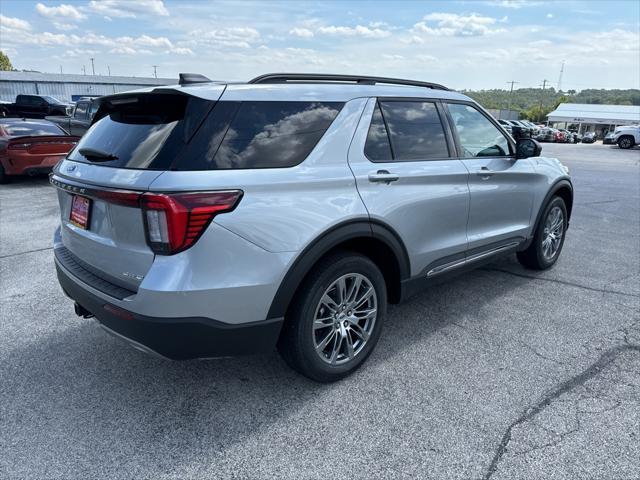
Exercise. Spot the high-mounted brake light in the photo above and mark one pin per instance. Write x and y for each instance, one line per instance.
(174, 222)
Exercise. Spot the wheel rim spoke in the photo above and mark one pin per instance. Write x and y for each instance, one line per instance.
(553, 233)
(344, 318)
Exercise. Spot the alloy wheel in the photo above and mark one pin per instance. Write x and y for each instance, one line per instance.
(553, 232)
(344, 319)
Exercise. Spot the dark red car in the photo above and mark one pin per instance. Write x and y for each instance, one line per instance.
(30, 147)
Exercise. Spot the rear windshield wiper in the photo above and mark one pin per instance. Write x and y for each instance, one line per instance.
(96, 155)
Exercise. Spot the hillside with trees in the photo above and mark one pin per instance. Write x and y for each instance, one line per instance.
(534, 104)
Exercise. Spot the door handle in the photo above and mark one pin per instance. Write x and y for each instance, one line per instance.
(485, 173)
(383, 176)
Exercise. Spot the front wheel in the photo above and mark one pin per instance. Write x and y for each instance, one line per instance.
(3, 176)
(625, 142)
(336, 318)
(549, 237)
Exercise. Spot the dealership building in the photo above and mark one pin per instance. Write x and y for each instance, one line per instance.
(68, 88)
(593, 118)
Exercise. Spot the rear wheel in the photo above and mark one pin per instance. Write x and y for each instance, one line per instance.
(625, 142)
(336, 318)
(549, 237)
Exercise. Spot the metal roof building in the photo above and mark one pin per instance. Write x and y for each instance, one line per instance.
(68, 87)
(594, 118)
(589, 113)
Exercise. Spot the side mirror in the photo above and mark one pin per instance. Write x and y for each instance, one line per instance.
(527, 147)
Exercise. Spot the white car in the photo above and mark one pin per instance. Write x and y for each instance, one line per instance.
(627, 137)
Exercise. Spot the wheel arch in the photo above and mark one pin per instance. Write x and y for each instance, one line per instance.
(562, 188)
(373, 239)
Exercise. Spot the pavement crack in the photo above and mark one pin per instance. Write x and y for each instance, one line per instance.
(603, 361)
(24, 253)
(562, 282)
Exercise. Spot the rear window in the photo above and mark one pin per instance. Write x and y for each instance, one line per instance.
(32, 129)
(405, 131)
(178, 132)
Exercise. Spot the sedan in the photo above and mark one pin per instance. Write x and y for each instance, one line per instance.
(31, 147)
(589, 137)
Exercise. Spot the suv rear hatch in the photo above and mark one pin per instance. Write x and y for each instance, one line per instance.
(134, 138)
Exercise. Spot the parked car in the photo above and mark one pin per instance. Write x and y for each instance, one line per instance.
(34, 106)
(30, 147)
(519, 130)
(608, 139)
(589, 137)
(546, 134)
(569, 137)
(79, 121)
(559, 136)
(210, 219)
(534, 128)
(627, 137)
(506, 125)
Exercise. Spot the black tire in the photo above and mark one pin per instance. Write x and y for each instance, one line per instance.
(625, 142)
(297, 340)
(4, 178)
(534, 257)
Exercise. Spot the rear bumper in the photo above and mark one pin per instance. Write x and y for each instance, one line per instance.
(175, 338)
(35, 165)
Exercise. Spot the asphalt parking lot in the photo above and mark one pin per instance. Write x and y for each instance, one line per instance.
(502, 373)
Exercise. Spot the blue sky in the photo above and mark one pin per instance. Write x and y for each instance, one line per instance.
(463, 44)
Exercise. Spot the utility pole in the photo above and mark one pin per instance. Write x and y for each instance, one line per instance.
(510, 94)
(109, 70)
(60, 69)
(155, 70)
(93, 68)
(84, 70)
(544, 84)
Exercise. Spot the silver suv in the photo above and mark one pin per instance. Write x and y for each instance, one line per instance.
(213, 219)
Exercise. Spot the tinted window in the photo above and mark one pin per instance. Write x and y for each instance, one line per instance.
(80, 111)
(32, 129)
(184, 133)
(377, 146)
(478, 136)
(415, 130)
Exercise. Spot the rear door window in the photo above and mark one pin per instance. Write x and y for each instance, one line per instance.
(184, 133)
(413, 129)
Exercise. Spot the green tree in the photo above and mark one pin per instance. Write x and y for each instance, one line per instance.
(5, 63)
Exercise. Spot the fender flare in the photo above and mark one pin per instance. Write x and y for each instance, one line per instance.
(328, 240)
(562, 183)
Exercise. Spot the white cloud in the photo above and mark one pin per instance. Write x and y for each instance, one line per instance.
(65, 27)
(240, 37)
(14, 23)
(181, 51)
(61, 12)
(301, 32)
(512, 3)
(128, 8)
(390, 56)
(549, 15)
(357, 31)
(451, 24)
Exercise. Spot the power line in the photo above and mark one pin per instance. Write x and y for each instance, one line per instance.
(93, 68)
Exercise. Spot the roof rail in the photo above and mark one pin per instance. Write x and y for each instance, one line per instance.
(323, 77)
(191, 78)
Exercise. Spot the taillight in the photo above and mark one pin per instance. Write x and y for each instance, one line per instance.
(175, 221)
(20, 146)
